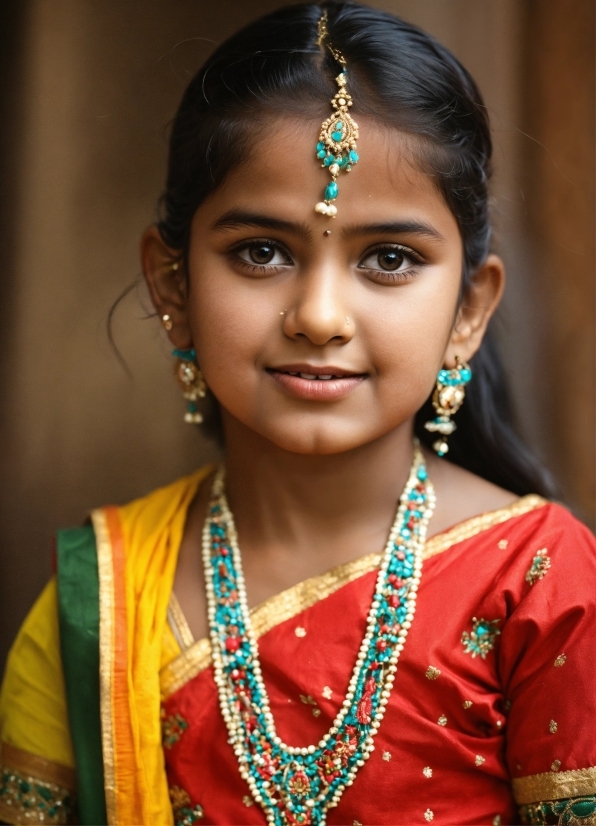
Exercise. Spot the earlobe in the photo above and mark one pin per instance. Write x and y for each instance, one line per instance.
(477, 308)
(166, 281)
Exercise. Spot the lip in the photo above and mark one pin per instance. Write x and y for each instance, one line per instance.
(341, 384)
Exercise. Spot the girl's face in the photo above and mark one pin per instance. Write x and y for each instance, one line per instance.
(323, 334)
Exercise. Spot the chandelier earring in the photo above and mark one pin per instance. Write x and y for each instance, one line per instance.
(448, 397)
(192, 382)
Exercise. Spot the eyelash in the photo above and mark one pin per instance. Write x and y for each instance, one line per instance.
(383, 276)
(259, 269)
(387, 276)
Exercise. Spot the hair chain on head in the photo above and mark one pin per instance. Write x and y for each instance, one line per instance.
(339, 133)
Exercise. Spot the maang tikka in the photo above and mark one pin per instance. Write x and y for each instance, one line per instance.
(447, 399)
(339, 133)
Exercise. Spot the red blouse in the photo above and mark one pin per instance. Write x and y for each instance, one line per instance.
(494, 702)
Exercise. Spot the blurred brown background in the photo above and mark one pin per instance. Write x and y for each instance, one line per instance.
(87, 88)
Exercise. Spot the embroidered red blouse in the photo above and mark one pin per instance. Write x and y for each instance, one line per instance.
(494, 703)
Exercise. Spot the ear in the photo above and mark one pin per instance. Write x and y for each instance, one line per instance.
(478, 305)
(163, 269)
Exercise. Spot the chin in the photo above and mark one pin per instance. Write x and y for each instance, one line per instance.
(317, 439)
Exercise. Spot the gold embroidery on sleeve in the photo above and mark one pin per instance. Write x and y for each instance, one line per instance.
(554, 785)
(34, 790)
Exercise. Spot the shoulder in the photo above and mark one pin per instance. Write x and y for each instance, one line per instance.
(462, 495)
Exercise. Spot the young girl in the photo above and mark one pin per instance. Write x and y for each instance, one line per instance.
(338, 625)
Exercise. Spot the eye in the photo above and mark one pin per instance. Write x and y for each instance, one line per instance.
(262, 256)
(391, 262)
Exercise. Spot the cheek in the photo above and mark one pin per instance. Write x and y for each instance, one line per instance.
(410, 331)
(229, 320)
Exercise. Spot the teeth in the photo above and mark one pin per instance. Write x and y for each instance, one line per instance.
(325, 378)
(307, 376)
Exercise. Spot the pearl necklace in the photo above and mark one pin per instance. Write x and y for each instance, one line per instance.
(295, 786)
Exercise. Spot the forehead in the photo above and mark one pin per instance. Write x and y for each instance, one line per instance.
(282, 176)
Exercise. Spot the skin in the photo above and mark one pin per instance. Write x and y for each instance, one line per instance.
(313, 483)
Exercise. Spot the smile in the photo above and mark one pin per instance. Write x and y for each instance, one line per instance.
(316, 383)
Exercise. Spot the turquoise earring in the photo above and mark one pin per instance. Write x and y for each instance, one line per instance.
(448, 397)
(192, 382)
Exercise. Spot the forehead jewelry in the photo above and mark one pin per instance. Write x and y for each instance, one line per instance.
(337, 140)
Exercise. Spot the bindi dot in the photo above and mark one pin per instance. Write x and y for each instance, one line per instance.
(327, 233)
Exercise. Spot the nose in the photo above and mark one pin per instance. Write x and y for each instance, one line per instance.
(319, 311)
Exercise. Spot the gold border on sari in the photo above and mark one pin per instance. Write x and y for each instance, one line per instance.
(554, 785)
(106, 650)
(291, 602)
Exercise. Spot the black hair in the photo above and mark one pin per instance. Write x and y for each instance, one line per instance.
(403, 78)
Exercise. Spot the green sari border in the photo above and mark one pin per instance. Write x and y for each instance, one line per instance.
(78, 615)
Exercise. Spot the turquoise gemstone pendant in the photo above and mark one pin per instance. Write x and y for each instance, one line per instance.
(337, 141)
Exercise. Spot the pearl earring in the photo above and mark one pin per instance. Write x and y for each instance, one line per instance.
(166, 322)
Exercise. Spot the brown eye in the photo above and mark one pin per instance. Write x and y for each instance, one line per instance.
(261, 253)
(390, 259)
(397, 261)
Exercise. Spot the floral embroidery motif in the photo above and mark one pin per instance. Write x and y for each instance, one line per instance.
(300, 631)
(479, 760)
(427, 771)
(576, 811)
(481, 639)
(502, 544)
(248, 801)
(553, 726)
(467, 704)
(555, 765)
(432, 673)
(497, 820)
(34, 800)
(172, 728)
(310, 701)
(561, 660)
(185, 814)
(327, 692)
(539, 567)
(386, 756)
(442, 721)
(429, 815)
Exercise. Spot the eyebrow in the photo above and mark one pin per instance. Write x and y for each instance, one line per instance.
(394, 228)
(238, 218)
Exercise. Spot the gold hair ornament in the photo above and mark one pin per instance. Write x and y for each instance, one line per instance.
(339, 133)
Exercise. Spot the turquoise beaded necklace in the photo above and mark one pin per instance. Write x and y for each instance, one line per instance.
(295, 786)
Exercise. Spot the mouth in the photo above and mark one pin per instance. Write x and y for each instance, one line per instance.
(316, 382)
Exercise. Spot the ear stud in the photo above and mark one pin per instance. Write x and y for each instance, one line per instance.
(166, 322)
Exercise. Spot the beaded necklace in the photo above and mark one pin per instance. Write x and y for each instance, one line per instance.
(295, 786)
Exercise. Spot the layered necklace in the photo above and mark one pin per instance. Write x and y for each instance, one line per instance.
(295, 786)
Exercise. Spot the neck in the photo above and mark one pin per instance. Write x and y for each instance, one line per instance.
(335, 507)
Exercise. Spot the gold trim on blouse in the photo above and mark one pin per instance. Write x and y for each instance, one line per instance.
(554, 785)
(291, 602)
(33, 789)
